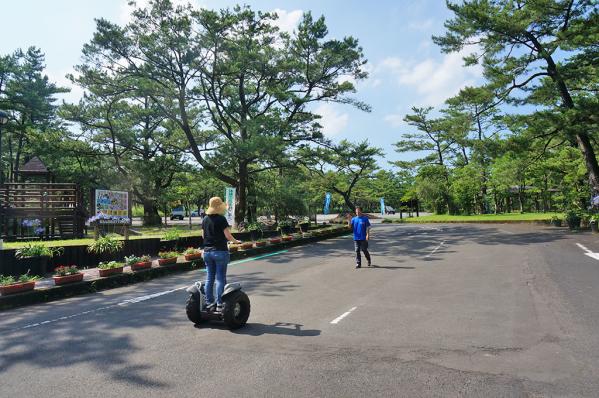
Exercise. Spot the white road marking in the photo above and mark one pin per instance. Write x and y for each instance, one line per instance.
(340, 317)
(122, 303)
(435, 249)
(588, 252)
(506, 231)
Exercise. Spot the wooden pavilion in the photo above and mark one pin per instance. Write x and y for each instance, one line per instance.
(38, 207)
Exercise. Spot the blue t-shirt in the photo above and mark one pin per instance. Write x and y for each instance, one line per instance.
(360, 225)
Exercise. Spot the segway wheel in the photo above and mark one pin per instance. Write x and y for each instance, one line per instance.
(193, 309)
(236, 309)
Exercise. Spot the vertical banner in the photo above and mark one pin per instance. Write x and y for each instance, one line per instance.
(327, 203)
(230, 200)
(382, 206)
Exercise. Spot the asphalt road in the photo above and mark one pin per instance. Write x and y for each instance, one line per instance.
(447, 310)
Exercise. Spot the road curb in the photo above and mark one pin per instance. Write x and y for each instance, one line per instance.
(127, 278)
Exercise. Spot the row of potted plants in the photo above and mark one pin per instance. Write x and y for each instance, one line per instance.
(70, 273)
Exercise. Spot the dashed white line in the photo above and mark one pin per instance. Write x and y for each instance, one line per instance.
(340, 317)
(125, 302)
(435, 249)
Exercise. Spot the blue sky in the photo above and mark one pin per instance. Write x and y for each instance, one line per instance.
(406, 68)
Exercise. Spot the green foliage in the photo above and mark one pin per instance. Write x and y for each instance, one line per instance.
(171, 234)
(11, 280)
(37, 250)
(105, 244)
(191, 251)
(110, 265)
(168, 254)
(65, 270)
(130, 260)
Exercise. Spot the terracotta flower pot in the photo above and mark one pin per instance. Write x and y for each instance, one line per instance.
(111, 271)
(260, 244)
(287, 238)
(167, 261)
(233, 249)
(275, 240)
(17, 288)
(63, 280)
(191, 257)
(247, 245)
(140, 266)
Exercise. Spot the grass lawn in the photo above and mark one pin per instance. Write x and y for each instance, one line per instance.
(482, 218)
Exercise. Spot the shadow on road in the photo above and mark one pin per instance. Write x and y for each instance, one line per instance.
(259, 329)
(96, 331)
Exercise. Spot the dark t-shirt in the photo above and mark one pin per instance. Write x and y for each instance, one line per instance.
(214, 226)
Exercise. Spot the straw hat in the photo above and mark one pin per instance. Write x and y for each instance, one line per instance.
(216, 206)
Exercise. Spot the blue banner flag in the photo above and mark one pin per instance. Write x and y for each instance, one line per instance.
(382, 206)
(327, 203)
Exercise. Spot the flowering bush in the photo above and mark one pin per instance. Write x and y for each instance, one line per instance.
(64, 270)
(105, 218)
(31, 223)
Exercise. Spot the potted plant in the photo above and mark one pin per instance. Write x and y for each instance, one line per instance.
(166, 258)
(110, 268)
(255, 230)
(191, 253)
(556, 221)
(274, 241)
(573, 219)
(287, 238)
(260, 243)
(105, 245)
(138, 263)
(33, 257)
(246, 245)
(233, 248)
(285, 226)
(64, 274)
(10, 285)
(306, 234)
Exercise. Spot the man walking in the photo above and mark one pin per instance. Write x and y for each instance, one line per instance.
(361, 227)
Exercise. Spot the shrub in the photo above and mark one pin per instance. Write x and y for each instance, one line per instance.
(171, 234)
(105, 244)
(37, 250)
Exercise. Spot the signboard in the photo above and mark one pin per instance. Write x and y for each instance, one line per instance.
(112, 203)
(327, 203)
(382, 206)
(230, 201)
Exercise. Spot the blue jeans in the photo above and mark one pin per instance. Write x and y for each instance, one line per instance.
(216, 266)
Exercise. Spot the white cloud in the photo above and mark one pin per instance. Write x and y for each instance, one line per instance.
(61, 80)
(422, 26)
(288, 20)
(395, 120)
(332, 121)
(434, 81)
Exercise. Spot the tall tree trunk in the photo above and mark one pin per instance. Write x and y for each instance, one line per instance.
(241, 193)
(151, 216)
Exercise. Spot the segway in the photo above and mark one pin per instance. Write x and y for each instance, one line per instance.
(236, 306)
